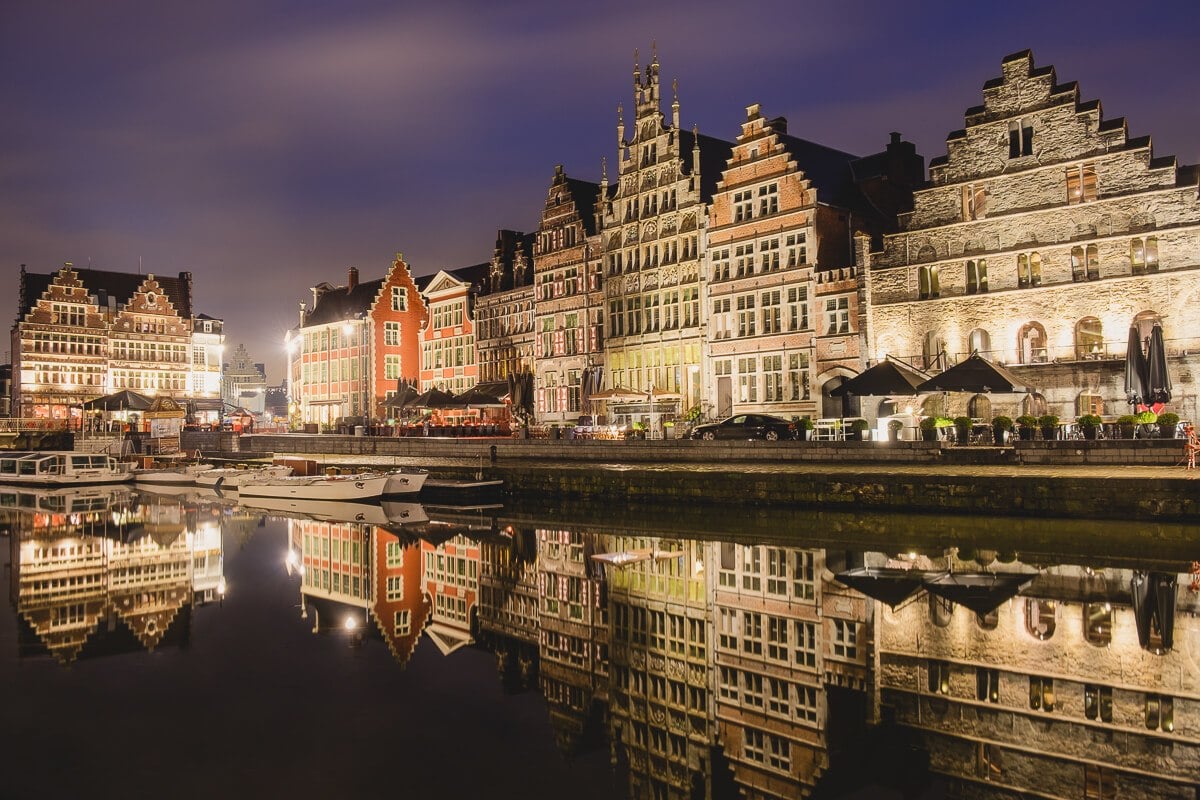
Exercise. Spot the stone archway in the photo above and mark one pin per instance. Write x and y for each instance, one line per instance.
(846, 406)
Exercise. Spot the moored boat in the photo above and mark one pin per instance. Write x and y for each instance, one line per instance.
(364, 486)
(226, 478)
(386, 513)
(170, 476)
(61, 468)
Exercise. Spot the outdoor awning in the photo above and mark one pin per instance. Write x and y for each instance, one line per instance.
(123, 400)
(976, 375)
(884, 379)
(494, 388)
(886, 584)
(981, 592)
(434, 398)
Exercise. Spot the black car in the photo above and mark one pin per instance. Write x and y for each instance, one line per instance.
(747, 426)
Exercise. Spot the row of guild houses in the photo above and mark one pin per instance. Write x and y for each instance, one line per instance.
(709, 277)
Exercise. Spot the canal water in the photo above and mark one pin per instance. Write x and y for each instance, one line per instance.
(185, 645)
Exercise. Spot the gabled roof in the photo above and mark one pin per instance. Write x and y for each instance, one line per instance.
(104, 284)
(585, 193)
(342, 303)
(827, 168)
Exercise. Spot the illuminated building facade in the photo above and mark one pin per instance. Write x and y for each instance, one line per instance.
(1046, 232)
(81, 334)
(569, 324)
(652, 241)
(504, 312)
(243, 382)
(450, 577)
(448, 347)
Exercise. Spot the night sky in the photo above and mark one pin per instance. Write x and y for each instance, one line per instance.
(267, 146)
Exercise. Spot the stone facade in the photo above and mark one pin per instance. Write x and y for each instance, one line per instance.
(243, 382)
(1044, 234)
(652, 241)
(568, 326)
(504, 321)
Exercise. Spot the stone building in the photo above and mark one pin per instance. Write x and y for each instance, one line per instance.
(1045, 233)
(652, 241)
(508, 604)
(81, 334)
(1051, 693)
(569, 323)
(504, 313)
(244, 383)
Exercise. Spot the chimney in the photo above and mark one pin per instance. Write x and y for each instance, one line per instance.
(351, 278)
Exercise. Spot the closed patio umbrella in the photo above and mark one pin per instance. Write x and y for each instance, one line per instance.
(885, 584)
(119, 401)
(475, 398)
(1158, 378)
(980, 592)
(434, 398)
(1136, 369)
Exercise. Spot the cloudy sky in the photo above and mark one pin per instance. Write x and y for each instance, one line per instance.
(266, 146)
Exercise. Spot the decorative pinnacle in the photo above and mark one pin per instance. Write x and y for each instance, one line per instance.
(675, 90)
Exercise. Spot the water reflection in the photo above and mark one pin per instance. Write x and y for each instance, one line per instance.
(702, 667)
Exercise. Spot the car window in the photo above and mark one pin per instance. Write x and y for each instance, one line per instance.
(738, 420)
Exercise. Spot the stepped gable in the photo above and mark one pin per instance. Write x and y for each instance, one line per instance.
(584, 194)
(104, 284)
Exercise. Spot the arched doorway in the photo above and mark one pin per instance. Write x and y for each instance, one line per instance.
(845, 406)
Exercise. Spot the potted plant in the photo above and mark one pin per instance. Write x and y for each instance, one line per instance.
(1168, 424)
(1000, 427)
(928, 426)
(1049, 425)
(1090, 425)
(802, 426)
(857, 428)
(962, 429)
(1028, 424)
(1127, 423)
(894, 427)
(1147, 421)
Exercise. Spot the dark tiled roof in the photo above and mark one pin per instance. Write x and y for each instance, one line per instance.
(342, 303)
(104, 284)
(206, 316)
(828, 169)
(714, 156)
(585, 193)
(938, 161)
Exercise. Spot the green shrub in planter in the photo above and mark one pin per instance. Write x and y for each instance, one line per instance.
(1089, 424)
(928, 426)
(894, 428)
(1028, 424)
(962, 429)
(1049, 425)
(1146, 418)
(1168, 424)
(1000, 426)
(1127, 423)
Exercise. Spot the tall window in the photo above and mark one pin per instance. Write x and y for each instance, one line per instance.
(798, 384)
(974, 202)
(391, 367)
(1081, 183)
(1029, 269)
(845, 639)
(1040, 618)
(837, 315)
(1087, 403)
(743, 205)
(399, 299)
(1143, 255)
(1099, 783)
(928, 284)
(1031, 343)
(933, 349)
(977, 279)
(1089, 338)
(1020, 139)
(768, 199)
(747, 380)
(1097, 702)
(391, 333)
(979, 341)
(797, 312)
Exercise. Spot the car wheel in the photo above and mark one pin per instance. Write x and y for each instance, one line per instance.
(708, 436)
(772, 436)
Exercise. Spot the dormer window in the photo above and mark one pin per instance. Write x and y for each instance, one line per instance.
(1020, 139)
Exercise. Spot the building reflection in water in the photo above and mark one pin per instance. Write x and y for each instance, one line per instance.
(101, 571)
(714, 669)
(699, 668)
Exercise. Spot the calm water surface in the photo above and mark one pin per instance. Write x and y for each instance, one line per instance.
(188, 646)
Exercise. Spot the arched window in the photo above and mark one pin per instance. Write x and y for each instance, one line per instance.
(1089, 338)
(1022, 270)
(1137, 256)
(1097, 623)
(979, 341)
(927, 283)
(979, 407)
(1035, 269)
(933, 351)
(972, 279)
(1078, 270)
(977, 282)
(1087, 403)
(1034, 404)
(941, 611)
(988, 622)
(1040, 618)
(1145, 321)
(1031, 343)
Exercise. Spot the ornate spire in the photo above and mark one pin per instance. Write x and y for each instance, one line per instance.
(675, 103)
(620, 128)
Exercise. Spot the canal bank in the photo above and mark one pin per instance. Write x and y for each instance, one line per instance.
(1134, 480)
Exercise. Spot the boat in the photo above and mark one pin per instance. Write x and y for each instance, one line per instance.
(461, 492)
(227, 478)
(364, 486)
(74, 500)
(61, 468)
(386, 513)
(170, 476)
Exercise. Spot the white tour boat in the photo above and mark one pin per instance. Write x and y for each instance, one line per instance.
(170, 476)
(61, 468)
(227, 478)
(364, 486)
